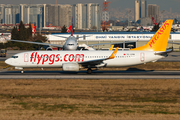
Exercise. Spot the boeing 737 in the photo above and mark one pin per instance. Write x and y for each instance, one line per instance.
(75, 60)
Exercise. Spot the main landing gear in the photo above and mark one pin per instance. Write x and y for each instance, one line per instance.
(89, 70)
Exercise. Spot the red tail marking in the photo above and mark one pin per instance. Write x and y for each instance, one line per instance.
(154, 22)
(69, 29)
(33, 29)
(72, 27)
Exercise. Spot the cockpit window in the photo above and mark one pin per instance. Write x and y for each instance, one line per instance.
(70, 44)
(14, 56)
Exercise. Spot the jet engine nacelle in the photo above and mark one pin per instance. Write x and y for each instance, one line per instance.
(49, 49)
(70, 67)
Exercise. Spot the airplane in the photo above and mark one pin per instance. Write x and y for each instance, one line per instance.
(70, 44)
(4, 37)
(75, 60)
(147, 28)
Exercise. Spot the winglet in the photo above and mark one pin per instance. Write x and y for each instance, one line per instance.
(113, 55)
(111, 47)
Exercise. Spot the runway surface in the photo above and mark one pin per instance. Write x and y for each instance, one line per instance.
(94, 75)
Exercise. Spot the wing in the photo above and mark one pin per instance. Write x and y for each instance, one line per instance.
(108, 43)
(60, 36)
(38, 43)
(82, 37)
(99, 61)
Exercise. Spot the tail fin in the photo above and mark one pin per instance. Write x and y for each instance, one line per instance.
(69, 29)
(154, 22)
(72, 27)
(160, 39)
(34, 30)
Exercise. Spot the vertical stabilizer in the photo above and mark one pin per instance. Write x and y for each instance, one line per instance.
(154, 22)
(72, 27)
(160, 39)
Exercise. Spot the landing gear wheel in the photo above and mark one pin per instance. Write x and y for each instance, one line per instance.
(89, 71)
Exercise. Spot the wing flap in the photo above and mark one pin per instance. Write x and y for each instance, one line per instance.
(98, 61)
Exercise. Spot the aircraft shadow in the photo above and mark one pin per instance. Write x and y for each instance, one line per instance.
(43, 72)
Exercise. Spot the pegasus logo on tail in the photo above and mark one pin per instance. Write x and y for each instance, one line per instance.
(158, 34)
(160, 39)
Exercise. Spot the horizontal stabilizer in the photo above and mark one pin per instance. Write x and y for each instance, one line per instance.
(163, 53)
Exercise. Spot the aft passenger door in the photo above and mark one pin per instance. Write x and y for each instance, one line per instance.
(142, 57)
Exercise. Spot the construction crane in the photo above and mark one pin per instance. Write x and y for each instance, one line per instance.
(105, 16)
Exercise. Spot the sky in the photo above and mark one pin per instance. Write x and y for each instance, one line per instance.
(121, 4)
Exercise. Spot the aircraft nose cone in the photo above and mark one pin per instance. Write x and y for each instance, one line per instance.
(8, 61)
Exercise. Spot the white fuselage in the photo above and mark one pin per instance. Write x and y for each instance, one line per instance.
(58, 58)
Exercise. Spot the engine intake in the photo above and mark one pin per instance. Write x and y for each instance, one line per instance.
(49, 49)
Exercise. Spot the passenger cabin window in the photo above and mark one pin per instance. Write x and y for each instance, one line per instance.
(14, 56)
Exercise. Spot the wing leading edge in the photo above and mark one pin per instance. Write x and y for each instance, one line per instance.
(38, 43)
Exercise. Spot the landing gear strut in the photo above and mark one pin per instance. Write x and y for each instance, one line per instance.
(89, 71)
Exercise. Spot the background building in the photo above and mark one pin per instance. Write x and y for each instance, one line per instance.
(143, 8)
(140, 10)
(146, 21)
(65, 15)
(57, 15)
(9, 14)
(1, 13)
(95, 16)
(77, 15)
(86, 16)
(31, 14)
(153, 11)
(51, 15)
(40, 15)
(136, 10)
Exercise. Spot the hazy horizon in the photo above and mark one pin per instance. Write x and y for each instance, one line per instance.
(121, 4)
